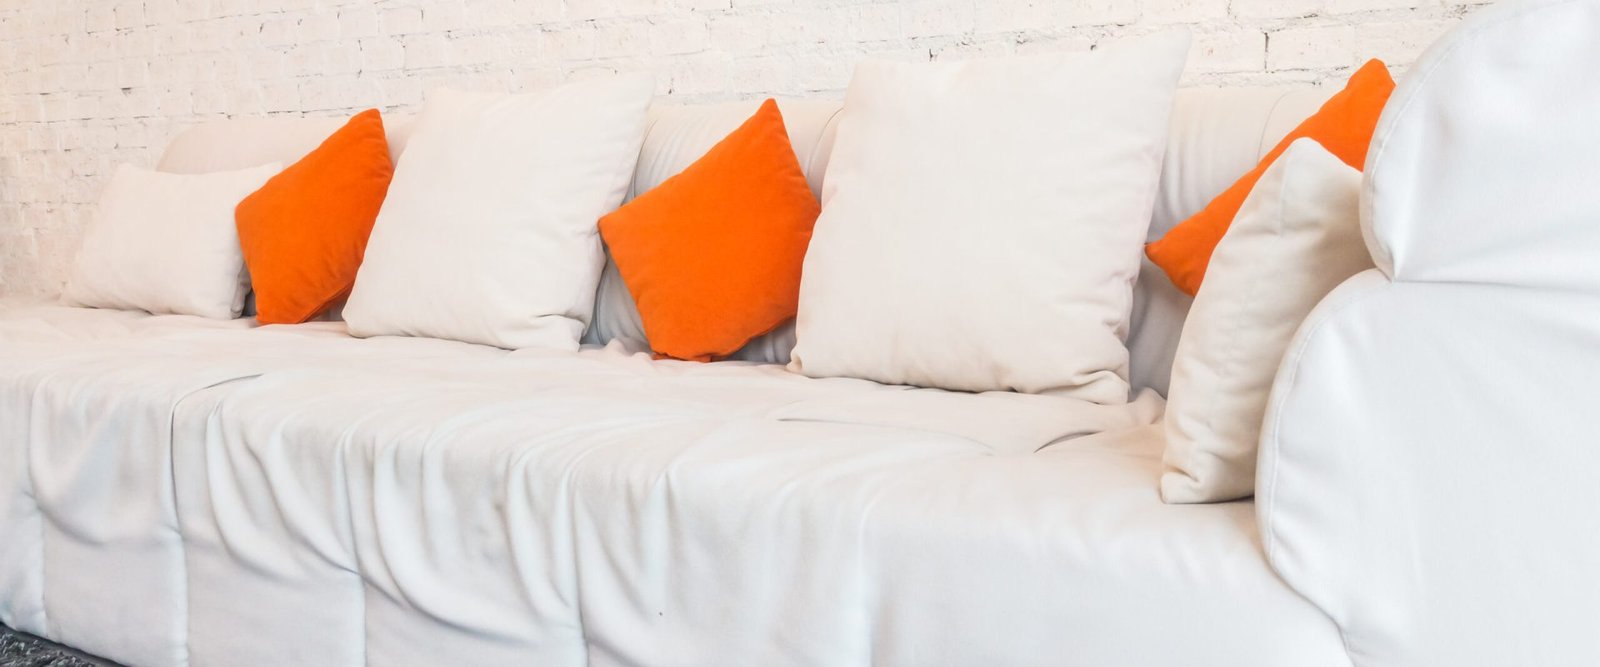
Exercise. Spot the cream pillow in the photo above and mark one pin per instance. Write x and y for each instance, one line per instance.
(488, 233)
(166, 243)
(1297, 236)
(982, 221)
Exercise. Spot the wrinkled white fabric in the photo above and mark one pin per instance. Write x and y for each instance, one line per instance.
(22, 321)
(408, 501)
(1427, 467)
(92, 545)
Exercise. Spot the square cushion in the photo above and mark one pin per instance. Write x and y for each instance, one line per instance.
(981, 221)
(712, 255)
(488, 232)
(1296, 237)
(305, 231)
(166, 243)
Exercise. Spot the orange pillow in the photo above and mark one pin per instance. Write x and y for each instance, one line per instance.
(1344, 125)
(305, 231)
(712, 256)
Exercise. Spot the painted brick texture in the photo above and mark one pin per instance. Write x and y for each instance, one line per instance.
(88, 84)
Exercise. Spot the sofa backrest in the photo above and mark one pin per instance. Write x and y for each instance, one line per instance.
(1217, 135)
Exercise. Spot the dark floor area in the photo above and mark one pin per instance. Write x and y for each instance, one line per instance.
(19, 649)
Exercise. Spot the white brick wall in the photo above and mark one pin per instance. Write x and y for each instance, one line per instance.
(86, 84)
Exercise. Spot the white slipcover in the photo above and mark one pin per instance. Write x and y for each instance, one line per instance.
(1427, 473)
(412, 501)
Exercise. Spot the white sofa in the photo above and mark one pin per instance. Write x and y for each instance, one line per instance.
(180, 491)
(290, 495)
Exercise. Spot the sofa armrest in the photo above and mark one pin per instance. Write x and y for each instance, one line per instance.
(1430, 462)
(1429, 471)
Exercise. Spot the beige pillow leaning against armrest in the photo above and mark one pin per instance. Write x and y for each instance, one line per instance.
(1297, 236)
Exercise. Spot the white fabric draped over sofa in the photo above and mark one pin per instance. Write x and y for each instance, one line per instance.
(194, 492)
(1427, 468)
(288, 495)
(177, 491)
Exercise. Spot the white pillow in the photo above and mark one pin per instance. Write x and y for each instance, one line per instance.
(488, 232)
(167, 243)
(982, 221)
(1297, 236)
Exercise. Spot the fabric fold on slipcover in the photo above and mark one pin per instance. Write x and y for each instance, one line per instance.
(86, 494)
(413, 501)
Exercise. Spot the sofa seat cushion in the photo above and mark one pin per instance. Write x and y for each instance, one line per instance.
(405, 501)
(38, 321)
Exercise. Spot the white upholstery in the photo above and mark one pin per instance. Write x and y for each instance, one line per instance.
(397, 501)
(1427, 473)
(415, 501)
(1217, 135)
(289, 495)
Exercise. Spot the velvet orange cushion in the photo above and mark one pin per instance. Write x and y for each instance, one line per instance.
(712, 255)
(305, 231)
(1344, 125)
